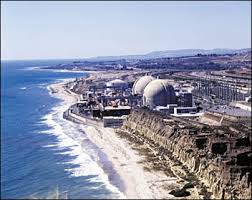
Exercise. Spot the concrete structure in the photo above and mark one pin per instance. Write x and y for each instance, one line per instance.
(107, 116)
(174, 110)
(243, 105)
(248, 99)
(185, 110)
(113, 122)
(131, 100)
(169, 109)
(232, 111)
(188, 115)
(159, 92)
(140, 84)
(116, 111)
(88, 95)
(193, 115)
(226, 116)
(117, 84)
(184, 99)
(114, 116)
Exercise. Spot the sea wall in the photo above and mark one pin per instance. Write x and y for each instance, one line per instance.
(219, 156)
(71, 116)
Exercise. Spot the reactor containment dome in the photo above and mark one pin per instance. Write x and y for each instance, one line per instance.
(141, 83)
(117, 84)
(159, 92)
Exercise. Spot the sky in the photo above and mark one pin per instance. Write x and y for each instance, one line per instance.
(67, 29)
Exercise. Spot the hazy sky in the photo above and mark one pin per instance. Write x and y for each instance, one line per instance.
(38, 30)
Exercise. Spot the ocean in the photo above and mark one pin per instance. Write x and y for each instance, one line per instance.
(40, 151)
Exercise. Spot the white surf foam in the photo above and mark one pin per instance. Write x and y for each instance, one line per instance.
(71, 138)
(50, 145)
(43, 85)
(32, 68)
(64, 79)
(42, 68)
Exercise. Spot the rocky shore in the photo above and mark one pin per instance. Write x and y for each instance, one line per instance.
(215, 160)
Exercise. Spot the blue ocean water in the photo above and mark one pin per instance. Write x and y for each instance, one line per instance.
(40, 151)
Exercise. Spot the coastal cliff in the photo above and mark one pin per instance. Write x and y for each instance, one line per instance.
(218, 156)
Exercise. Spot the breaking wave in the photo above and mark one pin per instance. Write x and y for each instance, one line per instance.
(85, 159)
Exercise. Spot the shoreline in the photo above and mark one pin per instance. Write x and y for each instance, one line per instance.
(126, 161)
(62, 70)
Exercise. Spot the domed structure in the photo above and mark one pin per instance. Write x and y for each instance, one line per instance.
(141, 83)
(117, 83)
(159, 92)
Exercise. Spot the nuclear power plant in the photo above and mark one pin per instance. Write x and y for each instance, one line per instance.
(110, 102)
(164, 95)
(204, 124)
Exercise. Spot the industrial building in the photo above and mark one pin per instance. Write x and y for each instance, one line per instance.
(184, 99)
(110, 102)
(160, 95)
(169, 109)
(117, 84)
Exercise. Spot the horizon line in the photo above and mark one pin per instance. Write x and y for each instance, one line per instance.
(140, 54)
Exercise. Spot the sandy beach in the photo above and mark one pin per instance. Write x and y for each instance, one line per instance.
(138, 182)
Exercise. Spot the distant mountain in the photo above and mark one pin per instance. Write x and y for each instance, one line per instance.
(171, 53)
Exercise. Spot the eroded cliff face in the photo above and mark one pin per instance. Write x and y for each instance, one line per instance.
(219, 156)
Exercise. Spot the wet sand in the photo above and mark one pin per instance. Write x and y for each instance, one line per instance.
(138, 182)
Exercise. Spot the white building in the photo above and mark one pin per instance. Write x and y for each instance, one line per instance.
(117, 84)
